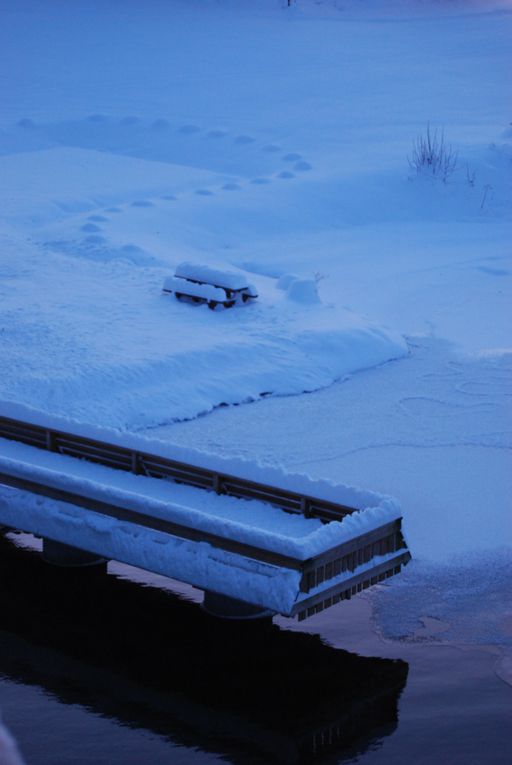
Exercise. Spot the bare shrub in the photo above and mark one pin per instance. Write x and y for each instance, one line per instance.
(470, 177)
(430, 154)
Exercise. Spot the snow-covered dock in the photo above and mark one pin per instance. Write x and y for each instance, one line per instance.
(245, 532)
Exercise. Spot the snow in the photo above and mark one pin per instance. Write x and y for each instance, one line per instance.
(345, 576)
(303, 291)
(9, 753)
(206, 291)
(274, 142)
(469, 597)
(196, 563)
(202, 273)
(433, 430)
(247, 521)
(119, 330)
(251, 470)
(285, 281)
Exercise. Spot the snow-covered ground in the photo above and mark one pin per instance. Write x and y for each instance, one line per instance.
(275, 141)
(9, 753)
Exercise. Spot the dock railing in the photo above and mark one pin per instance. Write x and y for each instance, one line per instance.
(348, 565)
(155, 466)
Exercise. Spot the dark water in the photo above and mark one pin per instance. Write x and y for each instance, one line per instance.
(97, 668)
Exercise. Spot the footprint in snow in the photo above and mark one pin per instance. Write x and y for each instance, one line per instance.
(286, 175)
(160, 124)
(271, 148)
(97, 118)
(131, 249)
(26, 123)
(94, 239)
(168, 197)
(90, 228)
(231, 187)
(302, 166)
(142, 203)
(189, 129)
(492, 271)
(204, 192)
(244, 139)
(97, 218)
(130, 120)
(482, 388)
(113, 209)
(260, 181)
(292, 157)
(217, 134)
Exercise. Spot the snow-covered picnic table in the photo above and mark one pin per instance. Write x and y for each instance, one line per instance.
(208, 285)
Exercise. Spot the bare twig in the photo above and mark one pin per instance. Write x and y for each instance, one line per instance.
(487, 188)
(430, 154)
(470, 176)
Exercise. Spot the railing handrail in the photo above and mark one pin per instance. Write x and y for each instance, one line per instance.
(157, 466)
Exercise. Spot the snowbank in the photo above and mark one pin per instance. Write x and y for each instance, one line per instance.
(303, 291)
(95, 338)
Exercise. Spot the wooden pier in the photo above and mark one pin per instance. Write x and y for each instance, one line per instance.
(325, 579)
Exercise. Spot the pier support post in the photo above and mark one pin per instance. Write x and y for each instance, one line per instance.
(59, 554)
(229, 608)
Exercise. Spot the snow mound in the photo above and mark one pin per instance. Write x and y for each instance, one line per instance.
(285, 280)
(303, 291)
(298, 289)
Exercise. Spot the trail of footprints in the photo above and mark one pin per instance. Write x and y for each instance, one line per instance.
(118, 136)
(100, 131)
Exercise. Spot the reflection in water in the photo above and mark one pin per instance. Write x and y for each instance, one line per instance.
(248, 691)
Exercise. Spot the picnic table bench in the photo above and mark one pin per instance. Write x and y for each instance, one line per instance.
(202, 284)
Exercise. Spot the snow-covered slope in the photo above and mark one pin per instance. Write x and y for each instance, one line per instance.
(85, 317)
